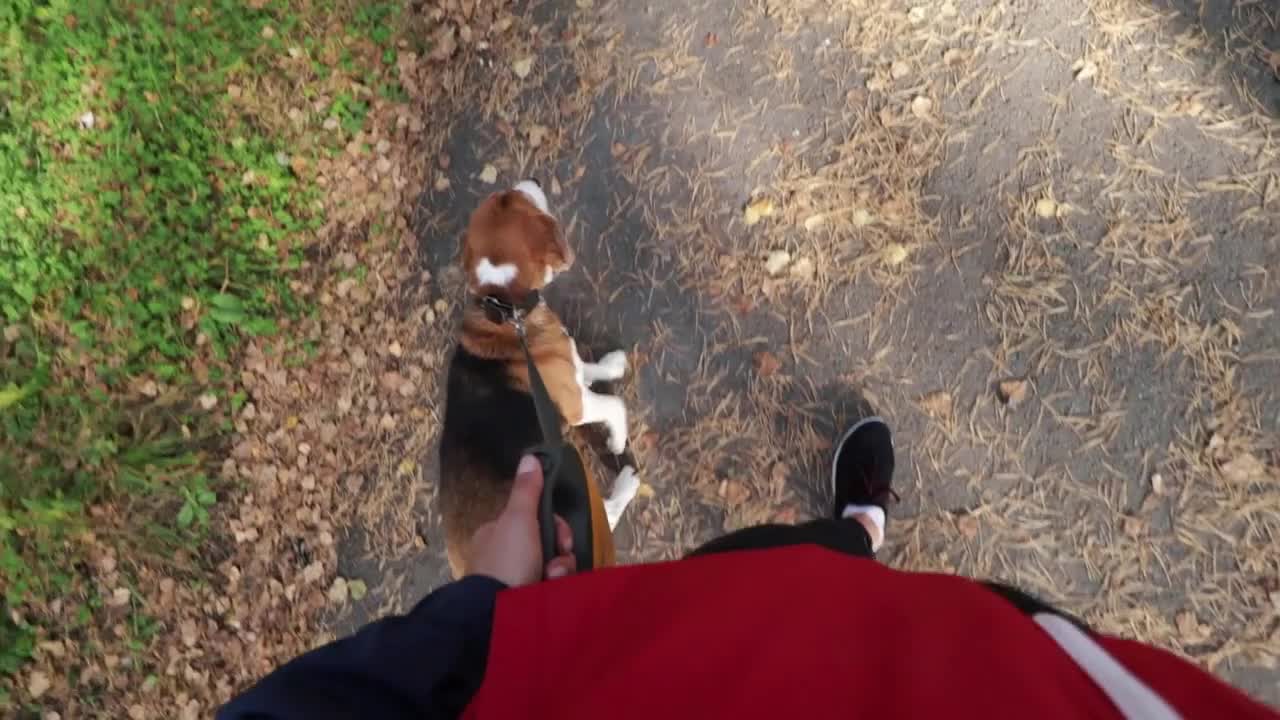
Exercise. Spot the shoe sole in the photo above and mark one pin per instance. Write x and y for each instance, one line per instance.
(835, 457)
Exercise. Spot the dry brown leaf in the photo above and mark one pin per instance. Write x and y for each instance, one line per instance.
(767, 364)
(1012, 391)
(757, 210)
(1046, 208)
(1243, 468)
(937, 403)
(38, 684)
(894, 254)
(338, 591)
(1084, 69)
(776, 262)
(922, 107)
(803, 269)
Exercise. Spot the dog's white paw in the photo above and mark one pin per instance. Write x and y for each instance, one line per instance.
(611, 367)
(625, 487)
(617, 442)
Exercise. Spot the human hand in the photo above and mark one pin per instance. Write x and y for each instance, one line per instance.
(509, 549)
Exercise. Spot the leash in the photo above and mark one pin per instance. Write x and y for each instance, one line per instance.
(564, 480)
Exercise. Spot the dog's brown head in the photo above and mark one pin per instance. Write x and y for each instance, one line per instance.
(513, 245)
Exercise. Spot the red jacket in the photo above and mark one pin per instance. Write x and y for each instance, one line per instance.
(803, 632)
(795, 632)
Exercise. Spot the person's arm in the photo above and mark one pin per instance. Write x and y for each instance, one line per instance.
(426, 664)
(429, 663)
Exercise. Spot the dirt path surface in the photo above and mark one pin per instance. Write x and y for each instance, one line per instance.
(1040, 238)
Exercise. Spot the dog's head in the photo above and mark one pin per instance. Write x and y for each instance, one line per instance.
(513, 245)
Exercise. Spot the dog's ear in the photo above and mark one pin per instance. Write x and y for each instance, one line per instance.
(549, 245)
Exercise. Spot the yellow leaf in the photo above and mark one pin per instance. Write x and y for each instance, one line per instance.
(757, 210)
(895, 254)
(11, 395)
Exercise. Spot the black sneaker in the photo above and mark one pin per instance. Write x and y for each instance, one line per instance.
(862, 467)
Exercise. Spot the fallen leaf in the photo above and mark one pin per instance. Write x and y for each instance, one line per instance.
(357, 589)
(1084, 69)
(446, 43)
(1243, 468)
(120, 597)
(312, 572)
(338, 591)
(38, 684)
(894, 254)
(522, 67)
(776, 262)
(489, 175)
(208, 401)
(767, 364)
(536, 134)
(757, 210)
(813, 222)
(1012, 391)
(954, 56)
(802, 269)
(922, 107)
(1046, 208)
(1190, 628)
(937, 403)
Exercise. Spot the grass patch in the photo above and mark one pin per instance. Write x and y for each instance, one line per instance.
(147, 226)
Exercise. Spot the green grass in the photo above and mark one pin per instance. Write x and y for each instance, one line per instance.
(131, 245)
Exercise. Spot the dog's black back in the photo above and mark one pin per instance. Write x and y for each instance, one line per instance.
(488, 425)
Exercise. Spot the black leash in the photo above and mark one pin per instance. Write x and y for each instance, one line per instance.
(564, 480)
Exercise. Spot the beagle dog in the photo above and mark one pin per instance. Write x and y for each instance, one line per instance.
(512, 249)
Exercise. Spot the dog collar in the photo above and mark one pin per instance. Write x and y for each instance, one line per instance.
(499, 311)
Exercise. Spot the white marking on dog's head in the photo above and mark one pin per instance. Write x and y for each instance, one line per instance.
(489, 274)
(531, 190)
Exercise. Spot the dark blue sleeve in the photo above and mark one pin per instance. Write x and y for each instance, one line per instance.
(427, 664)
